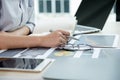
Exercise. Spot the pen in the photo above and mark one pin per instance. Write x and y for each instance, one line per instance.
(71, 37)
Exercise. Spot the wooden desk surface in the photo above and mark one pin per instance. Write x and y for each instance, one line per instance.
(111, 28)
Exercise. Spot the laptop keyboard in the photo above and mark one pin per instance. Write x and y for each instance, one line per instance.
(79, 28)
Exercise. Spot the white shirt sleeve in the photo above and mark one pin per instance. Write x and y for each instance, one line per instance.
(31, 21)
(16, 14)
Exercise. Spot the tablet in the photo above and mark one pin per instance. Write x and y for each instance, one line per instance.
(23, 64)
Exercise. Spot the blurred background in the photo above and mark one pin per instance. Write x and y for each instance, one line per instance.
(58, 14)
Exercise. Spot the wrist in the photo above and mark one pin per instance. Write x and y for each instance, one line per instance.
(38, 41)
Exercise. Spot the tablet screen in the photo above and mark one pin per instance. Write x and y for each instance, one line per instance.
(21, 63)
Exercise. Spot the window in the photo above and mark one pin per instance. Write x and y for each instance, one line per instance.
(54, 6)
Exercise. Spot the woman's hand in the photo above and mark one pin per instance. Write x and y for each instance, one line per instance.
(55, 39)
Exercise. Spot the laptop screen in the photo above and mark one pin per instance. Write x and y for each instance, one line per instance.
(94, 13)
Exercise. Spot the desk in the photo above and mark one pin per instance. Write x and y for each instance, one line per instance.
(111, 28)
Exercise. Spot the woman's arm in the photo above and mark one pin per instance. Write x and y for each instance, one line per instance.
(54, 39)
(21, 31)
(13, 41)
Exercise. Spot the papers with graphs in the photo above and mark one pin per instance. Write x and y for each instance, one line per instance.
(95, 42)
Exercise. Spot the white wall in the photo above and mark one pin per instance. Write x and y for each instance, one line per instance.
(74, 4)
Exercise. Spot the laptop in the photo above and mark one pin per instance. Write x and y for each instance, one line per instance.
(91, 15)
(105, 67)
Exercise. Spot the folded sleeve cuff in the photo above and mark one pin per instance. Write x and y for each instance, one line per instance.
(30, 26)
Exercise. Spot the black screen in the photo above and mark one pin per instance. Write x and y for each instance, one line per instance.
(94, 13)
(20, 63)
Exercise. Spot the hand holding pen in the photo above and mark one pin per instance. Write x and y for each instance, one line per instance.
(55, 38)
(68, 36)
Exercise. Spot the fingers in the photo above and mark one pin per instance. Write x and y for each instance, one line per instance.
(63, 40)
(57, 38)
(66, 33)
(63, 36)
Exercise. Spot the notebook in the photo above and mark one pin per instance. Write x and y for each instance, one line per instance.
(91, 16)
(106, 67)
